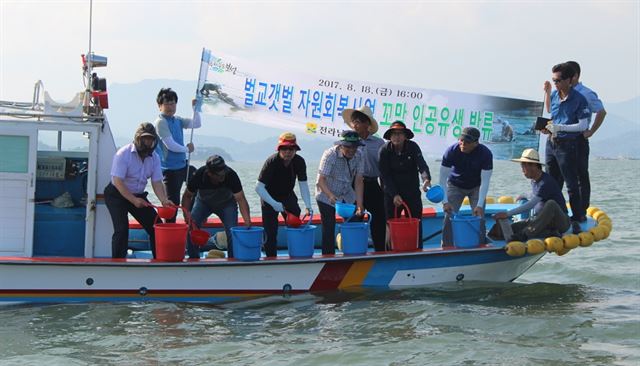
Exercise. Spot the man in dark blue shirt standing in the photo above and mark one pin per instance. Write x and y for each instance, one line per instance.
(549, 207)
(466, 171)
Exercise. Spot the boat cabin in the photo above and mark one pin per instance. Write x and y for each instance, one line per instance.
(56, 157)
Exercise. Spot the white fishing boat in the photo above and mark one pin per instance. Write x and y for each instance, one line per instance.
(55, 230)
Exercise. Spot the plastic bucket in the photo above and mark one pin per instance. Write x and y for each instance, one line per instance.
(403, 231)
(300, 241)
(246, 242)
(355, 237)
(171, 241)
(435, 194)
(345, 210)
(466, 231)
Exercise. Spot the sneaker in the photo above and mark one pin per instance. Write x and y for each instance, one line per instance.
(575, 227)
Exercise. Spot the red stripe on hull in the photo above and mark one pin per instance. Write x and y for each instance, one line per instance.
(331, 275)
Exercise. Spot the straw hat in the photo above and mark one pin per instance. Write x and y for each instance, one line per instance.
(529, 156)
(346, 116)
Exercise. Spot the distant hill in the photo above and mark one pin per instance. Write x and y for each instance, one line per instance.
(131, 104)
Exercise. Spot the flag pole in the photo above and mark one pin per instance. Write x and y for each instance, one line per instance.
(204, 64)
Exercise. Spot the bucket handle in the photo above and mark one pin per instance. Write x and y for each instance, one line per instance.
(406, 209)
(310, 217)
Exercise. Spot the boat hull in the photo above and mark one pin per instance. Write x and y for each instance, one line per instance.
(50, 280)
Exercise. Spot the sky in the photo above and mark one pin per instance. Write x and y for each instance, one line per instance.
(504, 48)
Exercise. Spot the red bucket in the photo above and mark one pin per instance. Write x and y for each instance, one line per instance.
(171, 241)
(404, 231)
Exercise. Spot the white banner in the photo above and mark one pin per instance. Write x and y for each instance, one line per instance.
(264, 95)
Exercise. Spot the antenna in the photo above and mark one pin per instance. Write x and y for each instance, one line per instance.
(96, 88)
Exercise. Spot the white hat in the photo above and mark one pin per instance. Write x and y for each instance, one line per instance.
(529, 156)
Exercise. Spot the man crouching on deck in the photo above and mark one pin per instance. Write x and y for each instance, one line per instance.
(132, 166)
(217, 189)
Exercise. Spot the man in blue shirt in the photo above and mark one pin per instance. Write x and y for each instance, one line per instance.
(570, 117)
(466, 171)
(549, 207)
(171, 147)
(595, 106)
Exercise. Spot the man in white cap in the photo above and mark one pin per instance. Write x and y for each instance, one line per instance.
(361, 120)
(550, 216)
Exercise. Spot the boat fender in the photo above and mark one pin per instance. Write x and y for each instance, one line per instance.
(516, 248)
(563, 251)
(535, 246)
(339, 241)
(586, 238)
(599, 214)
(571, 241)
(554, 244)
(606, 222)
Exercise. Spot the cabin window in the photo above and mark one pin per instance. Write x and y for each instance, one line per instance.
(15, 154)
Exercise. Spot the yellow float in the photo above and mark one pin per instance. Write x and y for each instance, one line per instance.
(506, 199)
(553, 244)
(571, 241)
(516, 248)
(535, 246)
(586, 239)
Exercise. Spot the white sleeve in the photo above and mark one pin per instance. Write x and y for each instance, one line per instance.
(444, 175)
(485, 178)
(525, 207)
(172, 145)
(261, 190)
(194, 122)
(304, 192)
(582, 125)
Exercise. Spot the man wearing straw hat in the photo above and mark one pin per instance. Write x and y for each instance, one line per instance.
(275, 188)
(550, 216)
(361, 120)
(171, 147)
(340, 167)
(133, 165)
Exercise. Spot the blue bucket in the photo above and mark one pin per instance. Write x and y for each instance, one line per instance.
(247, 242)
(300, 241)
(355, 237)
(466, 231)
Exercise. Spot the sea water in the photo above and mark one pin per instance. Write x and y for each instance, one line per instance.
(579, 309)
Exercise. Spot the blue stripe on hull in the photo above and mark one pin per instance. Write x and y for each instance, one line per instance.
(385, 268)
